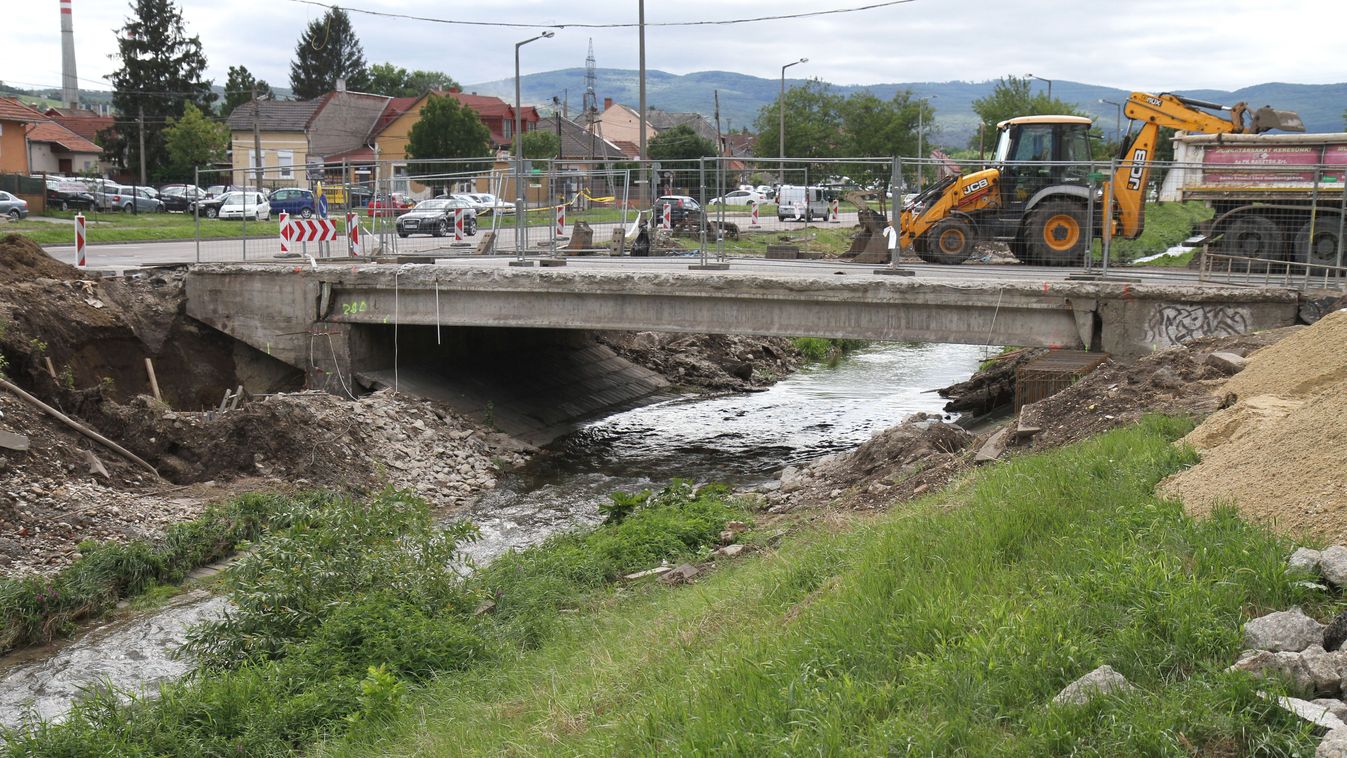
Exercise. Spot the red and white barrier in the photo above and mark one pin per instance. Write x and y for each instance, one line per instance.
(284, 220)
(755, 214)
(458, 225)
(353, 233)
(667, 216)
(80, 239)
(561, 221)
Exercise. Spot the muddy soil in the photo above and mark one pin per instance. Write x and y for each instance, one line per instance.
(702, 362)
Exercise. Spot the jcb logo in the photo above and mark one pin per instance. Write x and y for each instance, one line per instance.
(975, 186)
(1154, 101)
(1138, 168)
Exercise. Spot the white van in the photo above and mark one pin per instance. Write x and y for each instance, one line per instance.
(802, 203)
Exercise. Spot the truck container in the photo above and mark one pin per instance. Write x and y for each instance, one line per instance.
(1275, 196)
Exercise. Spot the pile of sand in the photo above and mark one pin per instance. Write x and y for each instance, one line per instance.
(1279, 453)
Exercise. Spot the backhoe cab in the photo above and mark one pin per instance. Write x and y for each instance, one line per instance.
(1028, 198)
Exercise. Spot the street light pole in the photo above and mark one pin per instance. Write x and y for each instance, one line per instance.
(921, 155)
(519, 204)
(1041, 79)
(781, 130)
(1117, 121)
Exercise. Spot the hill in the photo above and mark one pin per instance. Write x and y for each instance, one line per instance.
(742, 96)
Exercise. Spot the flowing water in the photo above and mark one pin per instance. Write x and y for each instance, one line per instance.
(741, 439)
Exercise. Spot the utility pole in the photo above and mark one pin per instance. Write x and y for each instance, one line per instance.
(645, 167)
(257, 139)
(140, 120)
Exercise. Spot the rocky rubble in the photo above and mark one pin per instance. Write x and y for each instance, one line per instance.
(1102, 681)
(715, 362)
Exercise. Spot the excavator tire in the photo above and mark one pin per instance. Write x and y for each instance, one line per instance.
(1317, 243)
(1057, 234)
(949, 242)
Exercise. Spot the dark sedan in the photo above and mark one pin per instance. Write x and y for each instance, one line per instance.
(209, 207)
(67, 196)
(179, 198)
(436, 218)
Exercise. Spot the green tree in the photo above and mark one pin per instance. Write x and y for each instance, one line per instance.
(881, 128)
(328, 50)
(238, 89)
(160, 73)
(1013, 96)
(541, 143)
(194, 140)
(680, 142)
(814, 128)
(447, 129)
(395, 81)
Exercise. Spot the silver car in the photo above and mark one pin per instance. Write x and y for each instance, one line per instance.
(14, 207)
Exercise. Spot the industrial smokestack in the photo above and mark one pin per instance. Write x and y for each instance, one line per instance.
(70, 88)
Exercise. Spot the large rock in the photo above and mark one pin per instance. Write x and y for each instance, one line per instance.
(680, 575)
(1304, 559)
(1227, 363)
(1335, 707)
(1102, 681)
(1283, 631)
(1313, 672)
(1334, 745)
(1315, 714)
(1333, 565)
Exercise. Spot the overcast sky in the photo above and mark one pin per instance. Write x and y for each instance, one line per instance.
(1151, 45)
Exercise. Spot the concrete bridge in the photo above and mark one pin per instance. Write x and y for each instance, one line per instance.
(521, 332)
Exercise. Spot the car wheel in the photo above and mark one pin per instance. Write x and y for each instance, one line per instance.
(306, 213)
(441, 229)
(471, 227)
(65, 206)
(402, 235)
(13, 214)
(126, 208)
(212, 213)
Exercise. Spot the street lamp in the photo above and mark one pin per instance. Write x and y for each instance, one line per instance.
(781, 169)
(519, 207)
(1041, 79)
(921, 116)
(1117, 122)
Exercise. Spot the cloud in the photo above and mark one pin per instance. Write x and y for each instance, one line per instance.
(1142, 44)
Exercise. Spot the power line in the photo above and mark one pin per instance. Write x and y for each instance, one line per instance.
(516, 25)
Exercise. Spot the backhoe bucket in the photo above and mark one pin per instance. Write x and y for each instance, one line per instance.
(1266, 118)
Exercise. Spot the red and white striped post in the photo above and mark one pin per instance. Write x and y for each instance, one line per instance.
(284, 231)
(755, 214)
(668, 216)
(458, 224)
(79, 239)
(561, 220)
(353, 233)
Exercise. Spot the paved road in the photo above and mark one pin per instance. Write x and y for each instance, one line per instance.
(118, 256)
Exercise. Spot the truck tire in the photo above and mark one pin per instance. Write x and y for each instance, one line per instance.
(1322, 248)
(949, 242)
(1252, 235)
(1056, 234)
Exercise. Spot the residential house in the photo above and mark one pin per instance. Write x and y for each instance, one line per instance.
(282, 128)
(54, 149)
(622, 125)
(14, 120)
(93, 127)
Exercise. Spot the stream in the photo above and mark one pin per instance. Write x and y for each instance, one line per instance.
(740, 439)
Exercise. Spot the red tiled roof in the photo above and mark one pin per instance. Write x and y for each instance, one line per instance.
(86, 124)
(629, 149)
(395, 108)
(13, 110)
(50, 131)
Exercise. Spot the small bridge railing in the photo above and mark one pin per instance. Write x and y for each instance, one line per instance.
(1261, 272)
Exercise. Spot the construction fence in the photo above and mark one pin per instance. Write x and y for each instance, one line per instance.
(1274, 220)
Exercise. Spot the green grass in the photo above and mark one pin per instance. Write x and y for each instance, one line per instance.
(826, 350)
(36, 610)
(129, 227)
(942, 629)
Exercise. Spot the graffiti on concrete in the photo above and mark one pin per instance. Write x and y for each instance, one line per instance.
(1173, 323)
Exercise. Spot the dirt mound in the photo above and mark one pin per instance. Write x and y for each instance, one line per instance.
(1278, 454)
(1299, 365)
(919, 455)
(21, 260)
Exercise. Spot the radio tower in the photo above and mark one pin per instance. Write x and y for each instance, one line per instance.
(70, 88)
(591, 101)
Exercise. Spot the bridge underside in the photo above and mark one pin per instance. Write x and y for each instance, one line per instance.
(283, 310)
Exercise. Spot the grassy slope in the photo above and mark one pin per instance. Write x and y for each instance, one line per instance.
(944, 628)
(1167, 224)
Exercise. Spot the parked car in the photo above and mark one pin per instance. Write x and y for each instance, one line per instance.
(436, 217)
(495, 204)
(768, 192)
(66, 195)
(209, 206)
(738, 197)
(295, 201)
(215, 190)
(385, 205)
(680, 207)
(14, 207)
(802, 203)
(110, 196)
(475, 201)
(180, 198)
(251, 204)
(148, 193)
